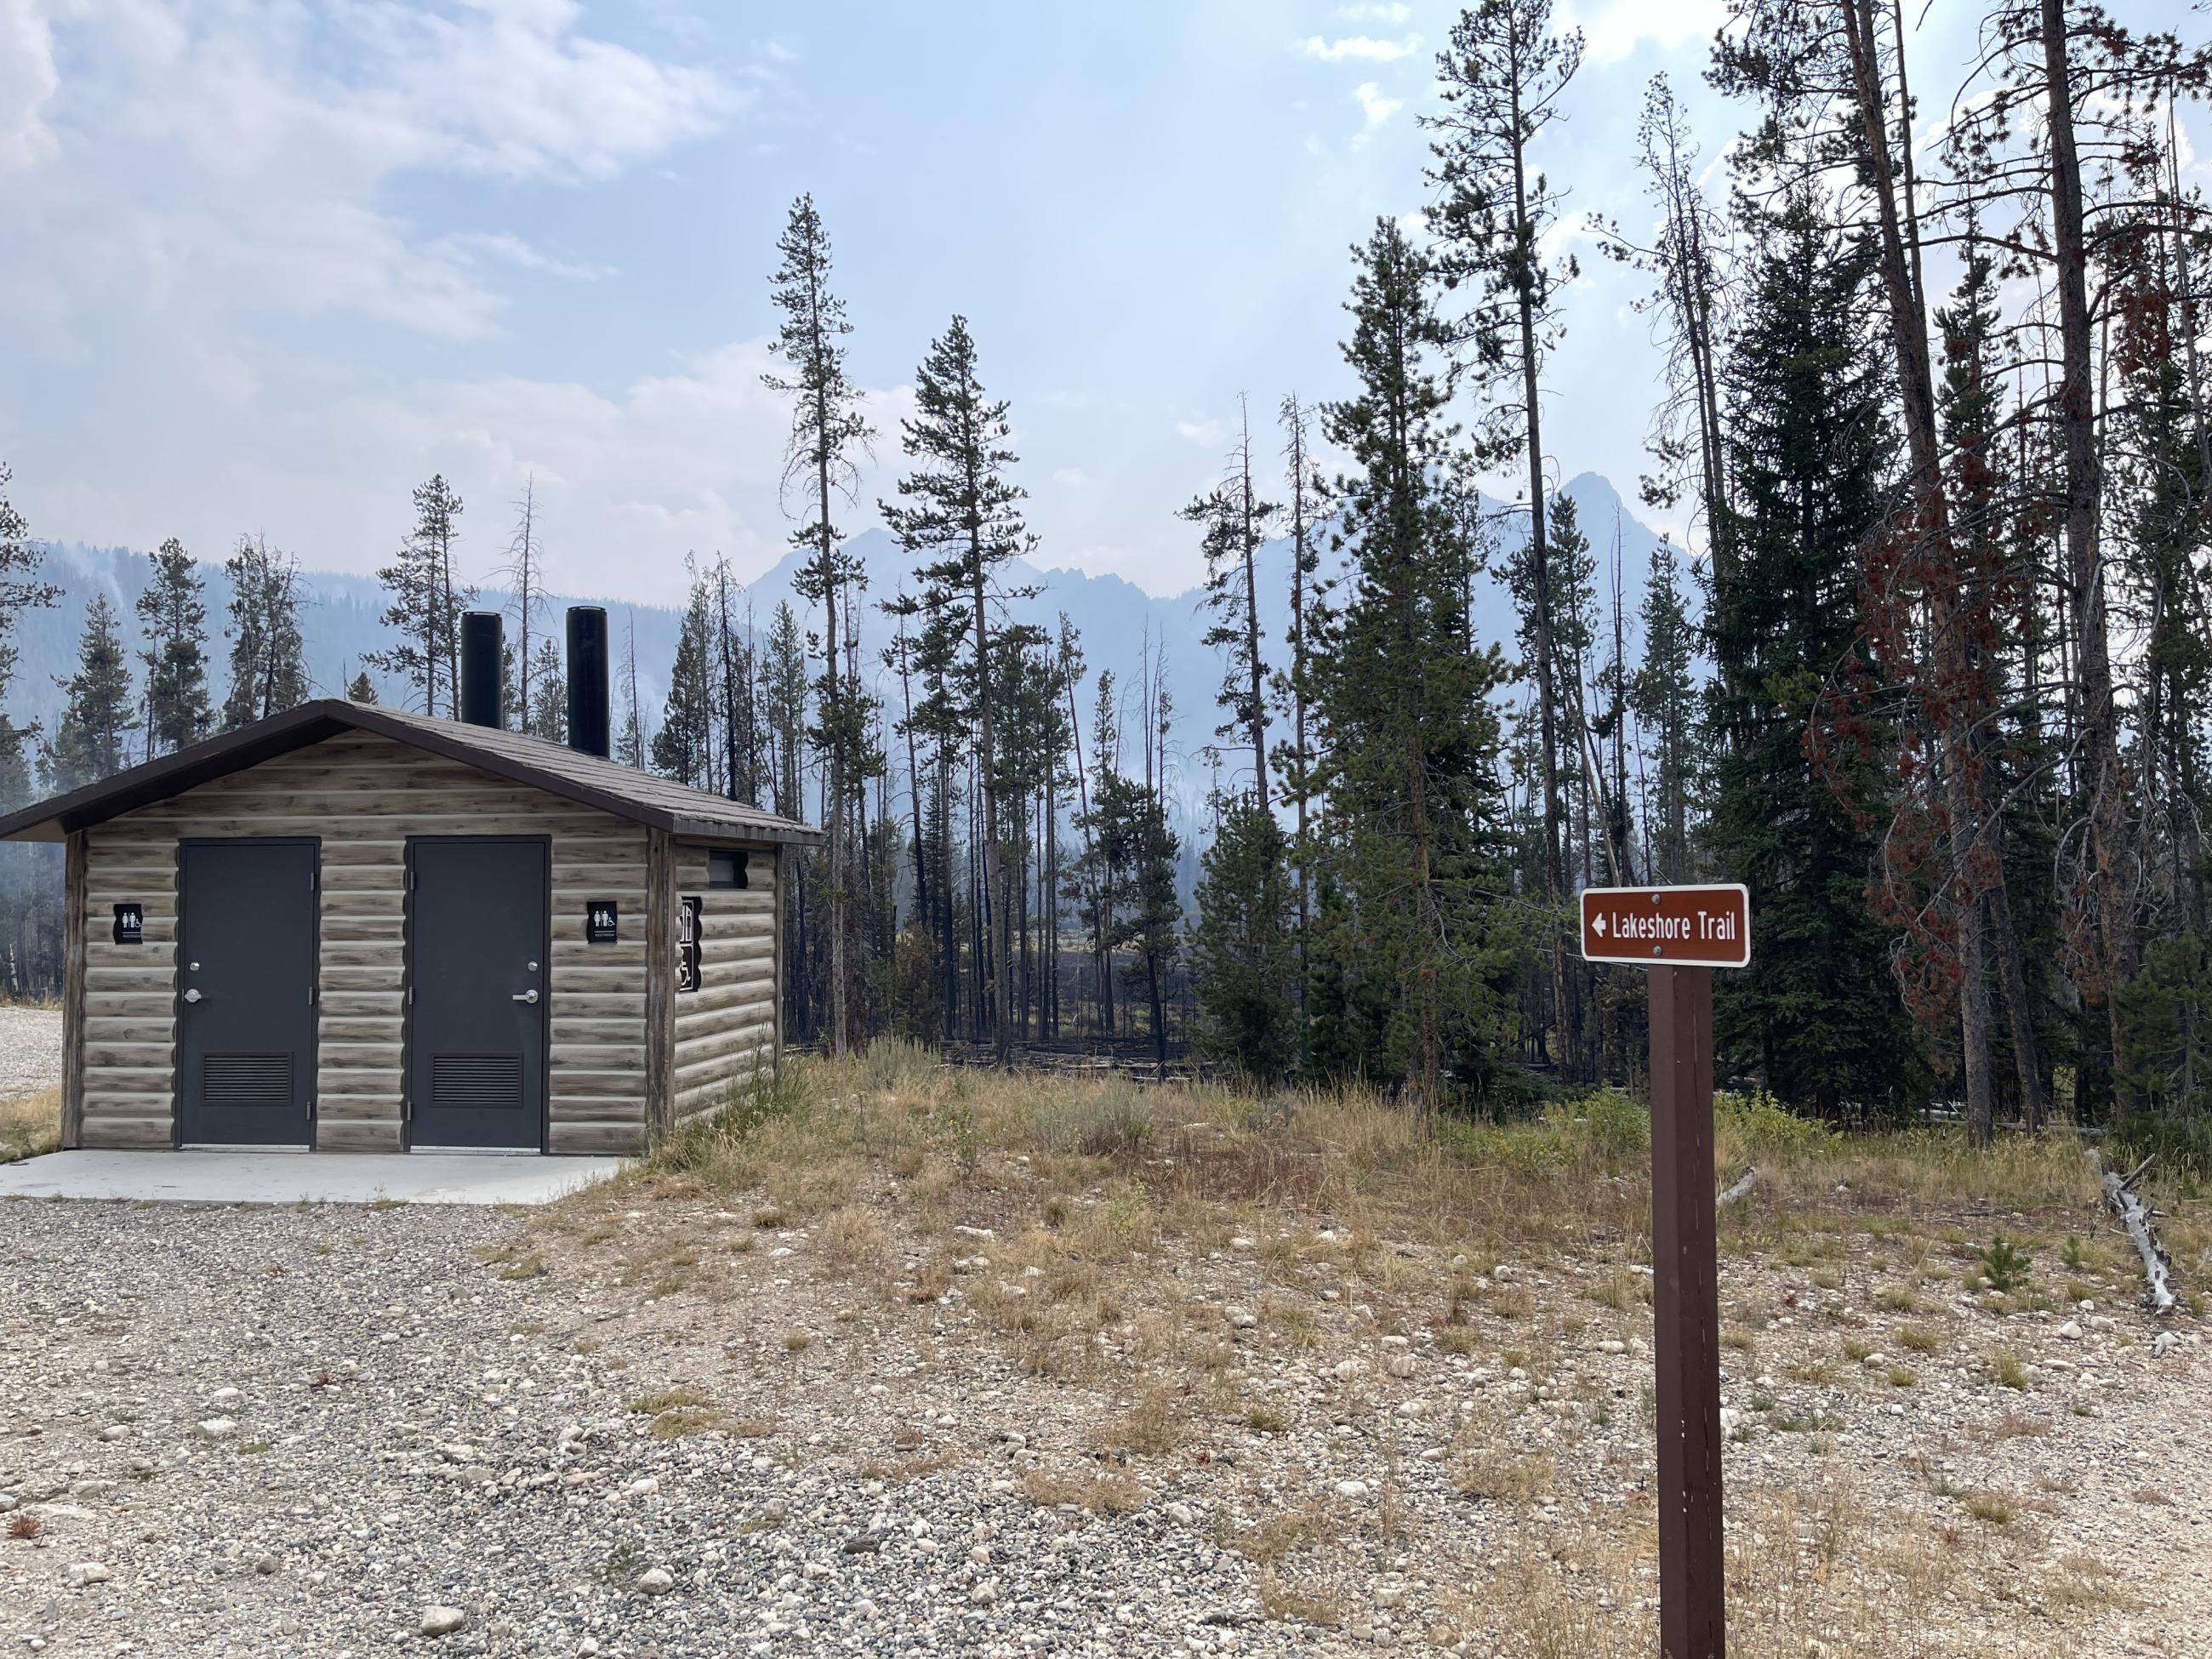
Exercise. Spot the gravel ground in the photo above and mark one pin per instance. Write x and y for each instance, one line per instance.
(652, 1426)
(30, 1050)
(297, 1431)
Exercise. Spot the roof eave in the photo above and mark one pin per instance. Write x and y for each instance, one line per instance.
(154, 781)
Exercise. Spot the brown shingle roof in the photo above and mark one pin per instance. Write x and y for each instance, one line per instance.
(559, 770)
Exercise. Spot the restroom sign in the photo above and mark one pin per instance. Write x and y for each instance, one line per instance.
(687, 923)
(601, 924)
(130, 923)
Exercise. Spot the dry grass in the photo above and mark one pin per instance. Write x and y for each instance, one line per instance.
(1065, 1214)
(30, 1125)
(1097, 1491)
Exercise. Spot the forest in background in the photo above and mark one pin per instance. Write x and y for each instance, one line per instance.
(1929, 676)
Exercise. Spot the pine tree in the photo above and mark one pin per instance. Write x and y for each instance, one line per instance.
(426, 603)
(1234, 521)
(173, 617)
(1665, 698)
(827, 431)
(630, 746)
(1296, 759)
(547, 716)
(21, 589)
(1503, 77)
(268, 665)
(1404, 696)
(91, 740)
(962, 519)
(524, 577)
(362, 690)
(683, 747)
(1816, 1014)
(1688, 263)
(1243, 953)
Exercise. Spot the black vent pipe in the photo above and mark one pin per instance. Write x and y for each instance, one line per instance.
(483, 669)
(588, 680)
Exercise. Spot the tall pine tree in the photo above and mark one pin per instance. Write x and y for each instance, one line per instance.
(1412, 740)
(1817, 1014)
(172, 615)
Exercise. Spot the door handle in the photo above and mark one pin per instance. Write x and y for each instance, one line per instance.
(531, 995)
(192, 995)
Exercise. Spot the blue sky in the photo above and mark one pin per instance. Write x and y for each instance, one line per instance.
(265, 264)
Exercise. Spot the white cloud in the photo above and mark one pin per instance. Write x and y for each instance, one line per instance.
(198, 160)
(628, 478)
(1393, 15)
(1377, 107)
(1209, 433)
(1364, 48)
(28, 81)
(475, 248)
(1612, 29)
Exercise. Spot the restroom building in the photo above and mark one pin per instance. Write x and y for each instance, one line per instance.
(350, 928)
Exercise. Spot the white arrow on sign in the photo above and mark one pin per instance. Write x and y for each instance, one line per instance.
(1597, 924)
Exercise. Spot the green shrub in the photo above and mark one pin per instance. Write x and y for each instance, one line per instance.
(1105, 1119)
(1764, 1127)
(895, 1062)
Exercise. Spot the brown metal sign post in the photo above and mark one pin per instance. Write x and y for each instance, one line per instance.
(1680, 934)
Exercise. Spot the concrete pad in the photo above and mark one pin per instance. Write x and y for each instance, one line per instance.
(294, 1177)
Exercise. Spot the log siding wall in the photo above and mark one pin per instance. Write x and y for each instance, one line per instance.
(363, 796)
(727, 1028)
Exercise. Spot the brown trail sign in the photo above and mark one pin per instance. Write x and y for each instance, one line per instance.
(1680, 934)
(1682, 927)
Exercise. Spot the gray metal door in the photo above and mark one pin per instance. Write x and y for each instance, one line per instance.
(477, 984)
(246, 1063)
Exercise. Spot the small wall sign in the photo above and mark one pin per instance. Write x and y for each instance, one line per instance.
(130, 923)
(689, 920)
(601, 925)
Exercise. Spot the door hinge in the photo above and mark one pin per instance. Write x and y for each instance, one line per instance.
(311, 996)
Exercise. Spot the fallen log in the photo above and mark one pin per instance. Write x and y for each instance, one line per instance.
(1741, 1189)
(2135, 1219)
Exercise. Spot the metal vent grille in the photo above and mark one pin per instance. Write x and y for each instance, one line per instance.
(246, 1079)
(480, 1080)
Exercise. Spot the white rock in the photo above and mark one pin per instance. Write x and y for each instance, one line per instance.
(440, 1621)
(1241, 1243)
(1242, 1318)
(2069, 1331)
(644, 1486)
(1346, 1369)
(218, 1428)
(984, 1594)
(1182, 1514)
(2164, 1344)
(656, 1581)
(89, 1572)
(1351, 1489)
(1403, 1365)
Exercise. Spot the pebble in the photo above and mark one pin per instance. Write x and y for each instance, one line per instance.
(440, 1621)
(656, 1581)
(218, 1428)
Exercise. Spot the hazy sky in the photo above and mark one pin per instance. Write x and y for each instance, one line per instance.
(265, 264)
